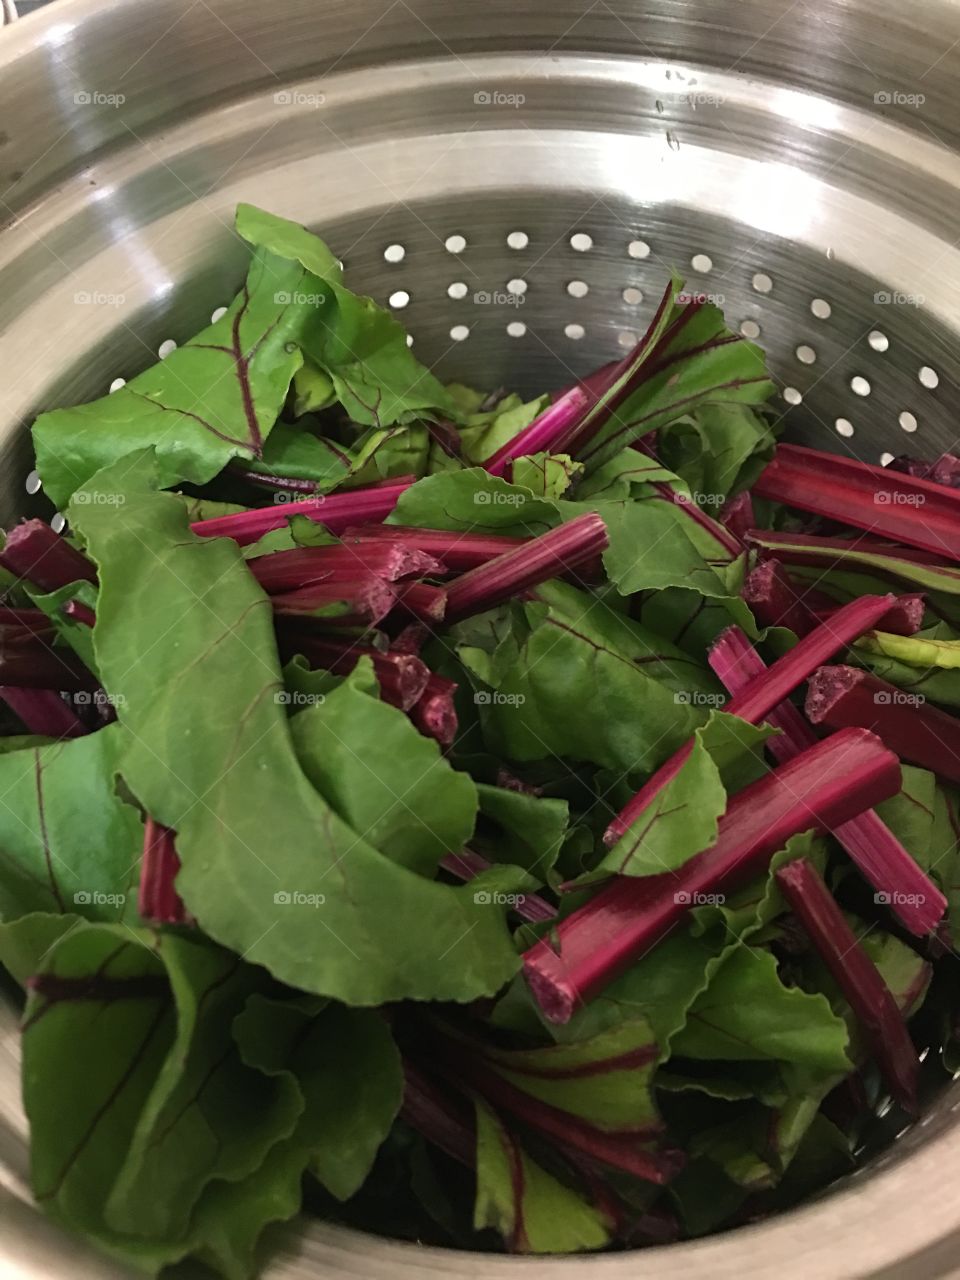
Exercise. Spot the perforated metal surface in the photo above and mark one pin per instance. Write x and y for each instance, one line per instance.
(769, 150)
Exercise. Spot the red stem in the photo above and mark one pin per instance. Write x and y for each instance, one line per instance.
(33, 551)
(857, 977)
(337, 512)
(457, 551)
(755, 702)
(819, 789)
(842, 696)
(880, 857)
(905, 508)
(44, 712)
(434, 713)
(538, 560)
(158, 899)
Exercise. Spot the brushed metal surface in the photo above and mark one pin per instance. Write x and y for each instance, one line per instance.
(777, 152)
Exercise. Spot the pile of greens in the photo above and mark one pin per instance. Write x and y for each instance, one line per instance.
(377, 836)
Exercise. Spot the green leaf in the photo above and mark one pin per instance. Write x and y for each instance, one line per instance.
(214, 398)
(384, 778)
(68, 843)
(128, 1137)
(655, 544)
(349, 1072)
(693, 360)
(208, 1115)
(545, 474)
(287, 883)
(529, 829)
(747, 1013)
(532, 1210)
(72, 632)
(25, 943)
(910, 814)
(914, 651)
(717, 451)
(682, 820)
(615, 480)
(360, 346)
(604, 1079)
(464, 501)
(588, 684)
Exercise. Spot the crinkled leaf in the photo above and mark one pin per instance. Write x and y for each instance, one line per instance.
(464, 501)
(747, 1013)
(78, 635)
(548, 475)
(717, 451)
(527, 830)
(384, 778)
(287, 883)
(694, 360)
(913, 651)
(360, 346)
(349, 1072)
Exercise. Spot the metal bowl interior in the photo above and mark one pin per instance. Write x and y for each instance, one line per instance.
(517, 180)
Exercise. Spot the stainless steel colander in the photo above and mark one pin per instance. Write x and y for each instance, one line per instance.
(517, 178)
